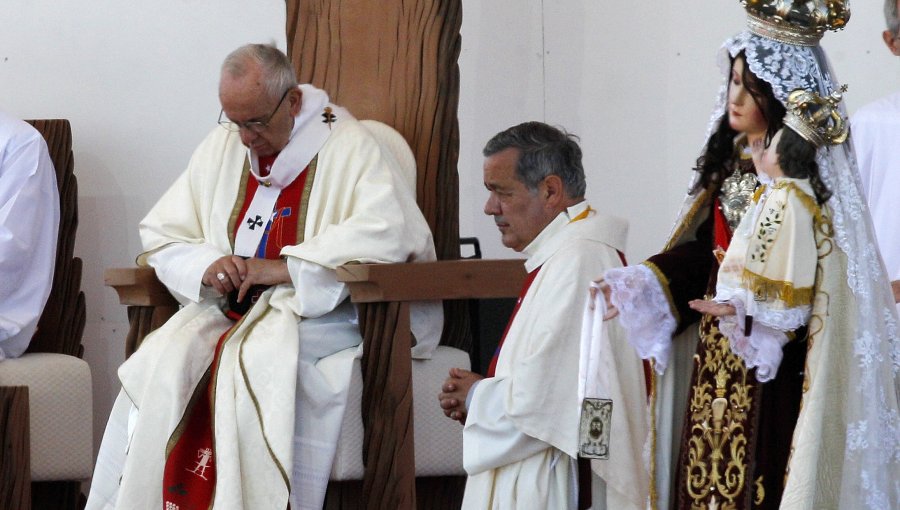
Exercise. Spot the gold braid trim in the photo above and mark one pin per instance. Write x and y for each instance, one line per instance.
(758, 193)
(775, 289)
(664, 283)
(808, 202)
(304, 200)
(687, 219)
(201, 386)
(255, 400)
(238, 202)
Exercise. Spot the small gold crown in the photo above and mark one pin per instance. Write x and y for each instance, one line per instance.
(816, 118)
(800, 22)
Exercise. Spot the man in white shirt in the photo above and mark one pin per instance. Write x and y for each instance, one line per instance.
(520, 441)
(876, 130)
(29, 225)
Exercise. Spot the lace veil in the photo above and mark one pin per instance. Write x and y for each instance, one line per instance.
(870, 474)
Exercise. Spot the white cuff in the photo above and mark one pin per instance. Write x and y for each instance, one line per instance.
(762, 349)
(644, 312)
(180, 267)
(316, 288)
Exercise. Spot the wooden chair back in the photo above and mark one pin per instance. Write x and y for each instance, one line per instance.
(62, 323)
(393, 61)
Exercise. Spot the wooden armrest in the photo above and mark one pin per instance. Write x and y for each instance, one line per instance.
(138, 286)
(149, 302)
(446, 279)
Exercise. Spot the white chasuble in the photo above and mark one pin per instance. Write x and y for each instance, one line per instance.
(520, 440)
(358, 210)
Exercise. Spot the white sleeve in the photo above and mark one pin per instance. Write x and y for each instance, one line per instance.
(763, 349)
(490, 439)
(317, 290)
(29, 224)
(180, 267)
(644, 312)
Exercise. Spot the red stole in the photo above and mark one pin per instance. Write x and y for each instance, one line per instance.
(281, 230)
(189, 478)
(525, 286)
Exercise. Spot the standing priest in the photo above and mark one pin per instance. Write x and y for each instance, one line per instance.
(521, 436)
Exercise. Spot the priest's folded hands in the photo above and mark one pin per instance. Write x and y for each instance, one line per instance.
(232, 272)
(454, 392)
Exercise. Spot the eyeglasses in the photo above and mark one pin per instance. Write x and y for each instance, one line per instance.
(257, 126)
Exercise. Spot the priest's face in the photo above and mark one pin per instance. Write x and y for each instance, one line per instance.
(245, 100)
(519, 213)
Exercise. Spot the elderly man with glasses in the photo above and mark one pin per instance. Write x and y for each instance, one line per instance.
(876, 127)
(223, 406)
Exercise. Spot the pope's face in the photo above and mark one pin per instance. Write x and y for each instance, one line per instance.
(519, 213)
(744, 115)
(245, 99)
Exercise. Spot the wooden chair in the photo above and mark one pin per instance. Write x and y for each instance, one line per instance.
(45, 407)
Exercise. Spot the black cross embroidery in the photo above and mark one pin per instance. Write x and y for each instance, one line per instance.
(257, 222)
(328, 117)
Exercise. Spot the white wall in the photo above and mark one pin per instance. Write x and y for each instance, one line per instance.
(138, 81)
(635, 80)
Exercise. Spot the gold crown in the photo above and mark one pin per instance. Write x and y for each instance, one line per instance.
(800, 22)
(817, 118)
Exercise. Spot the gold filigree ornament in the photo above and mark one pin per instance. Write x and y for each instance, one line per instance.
(799, 22)
(717, 446)
(760, 495)
(817, 119)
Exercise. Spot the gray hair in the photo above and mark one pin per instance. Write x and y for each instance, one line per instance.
(543, 150)
(891, 17)
(277, 68)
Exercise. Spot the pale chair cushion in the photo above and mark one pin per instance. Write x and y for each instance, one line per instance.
(393, 142)
(60, 411)
(438, 439)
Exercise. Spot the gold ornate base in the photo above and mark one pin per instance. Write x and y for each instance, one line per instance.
(716, 452)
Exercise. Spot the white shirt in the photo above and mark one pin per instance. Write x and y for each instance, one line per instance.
(876, 132)
(29, 223)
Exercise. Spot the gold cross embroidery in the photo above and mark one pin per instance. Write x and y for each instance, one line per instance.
(328, 117)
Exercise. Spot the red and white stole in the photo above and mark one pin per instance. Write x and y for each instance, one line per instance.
(189, 478)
